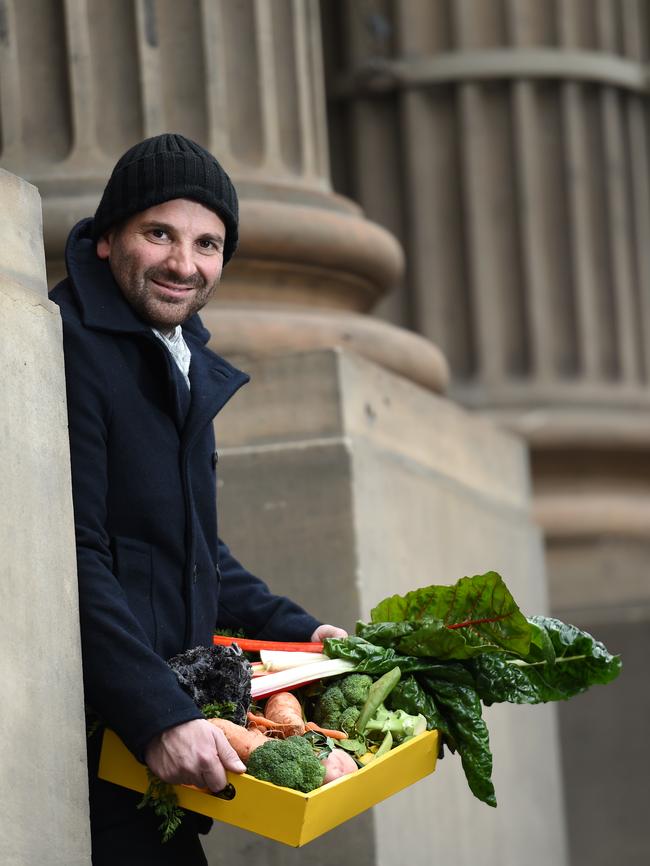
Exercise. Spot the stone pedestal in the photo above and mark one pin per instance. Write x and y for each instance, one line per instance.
(342, 483)
(42, 750)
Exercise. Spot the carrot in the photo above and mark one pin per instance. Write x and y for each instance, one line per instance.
(335, 735)
(284, 709)
(261, 721)
(242, 740)
(250, 645)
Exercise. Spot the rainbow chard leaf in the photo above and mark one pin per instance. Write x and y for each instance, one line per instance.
(461, 646)
(580, 661)
(475, 615)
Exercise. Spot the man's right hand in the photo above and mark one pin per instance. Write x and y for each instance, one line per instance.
(194, 753)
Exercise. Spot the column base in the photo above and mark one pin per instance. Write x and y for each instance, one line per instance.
(260, 332)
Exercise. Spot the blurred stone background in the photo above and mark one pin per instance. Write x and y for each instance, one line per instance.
(445, 213)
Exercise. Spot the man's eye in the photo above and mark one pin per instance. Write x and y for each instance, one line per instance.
(208, 244)
(159, 234)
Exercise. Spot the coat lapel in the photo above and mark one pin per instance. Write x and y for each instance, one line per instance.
(213, 382)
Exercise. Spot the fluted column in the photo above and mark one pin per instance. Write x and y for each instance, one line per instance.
(82, 80)
(511, 141)
(520, 129)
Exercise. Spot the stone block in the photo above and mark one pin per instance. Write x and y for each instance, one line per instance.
(22, 257)
(342, 483)
(42, 751)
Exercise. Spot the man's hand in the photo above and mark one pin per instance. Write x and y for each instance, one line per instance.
(194, 753)
(325, 630)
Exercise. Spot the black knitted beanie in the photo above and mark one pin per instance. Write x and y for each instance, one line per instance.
(162, 168)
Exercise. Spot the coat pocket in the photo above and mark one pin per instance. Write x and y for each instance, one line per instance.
(133, 566)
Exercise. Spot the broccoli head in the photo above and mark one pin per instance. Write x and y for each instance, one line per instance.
(348, 720)
(289, 762)
(331, 709)
(355, 688)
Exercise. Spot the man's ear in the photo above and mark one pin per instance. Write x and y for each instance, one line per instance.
(104, 246)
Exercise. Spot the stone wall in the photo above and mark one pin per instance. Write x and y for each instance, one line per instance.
(42, 750)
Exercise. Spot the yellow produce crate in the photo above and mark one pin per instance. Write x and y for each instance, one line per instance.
(279, 813)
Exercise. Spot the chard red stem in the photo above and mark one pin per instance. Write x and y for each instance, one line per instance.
(476, 621)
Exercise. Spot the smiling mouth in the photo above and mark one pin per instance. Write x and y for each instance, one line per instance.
(172, 288)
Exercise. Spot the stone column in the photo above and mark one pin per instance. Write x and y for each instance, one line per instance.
(521, 135)
(245, 80)
(515, 133)
(43, 744)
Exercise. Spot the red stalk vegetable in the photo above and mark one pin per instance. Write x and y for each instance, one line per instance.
(251, 645)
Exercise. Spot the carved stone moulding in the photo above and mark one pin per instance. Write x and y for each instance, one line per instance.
(291, 253)
(254, 331)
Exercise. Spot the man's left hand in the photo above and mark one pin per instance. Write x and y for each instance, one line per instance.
(325, 630)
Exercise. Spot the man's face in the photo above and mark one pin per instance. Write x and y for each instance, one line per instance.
(167, 260)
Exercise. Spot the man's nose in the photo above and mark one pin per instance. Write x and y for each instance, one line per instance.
(180, 261)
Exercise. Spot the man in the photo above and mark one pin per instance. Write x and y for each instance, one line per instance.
(143, 389)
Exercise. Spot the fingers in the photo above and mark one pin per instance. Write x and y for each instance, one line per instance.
(223, 758)
(227, 755)
(214, 778)
(326, 630)
(194, 753)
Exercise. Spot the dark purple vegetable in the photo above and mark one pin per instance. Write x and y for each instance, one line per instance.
(218, 675)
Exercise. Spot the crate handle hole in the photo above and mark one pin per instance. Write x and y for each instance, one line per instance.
(228, 792)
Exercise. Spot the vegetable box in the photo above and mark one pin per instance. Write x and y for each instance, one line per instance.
(279, 813)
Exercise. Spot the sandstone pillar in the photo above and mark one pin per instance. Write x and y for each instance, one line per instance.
(245, 80)
(43, 745)
(342, 483)
(520, 129)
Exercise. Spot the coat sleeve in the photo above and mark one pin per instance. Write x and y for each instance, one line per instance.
(246, 603)
(125, 681)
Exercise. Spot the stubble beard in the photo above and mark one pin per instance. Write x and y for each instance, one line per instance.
(162, 313)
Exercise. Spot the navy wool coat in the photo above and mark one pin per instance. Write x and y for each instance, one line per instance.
(154, 579)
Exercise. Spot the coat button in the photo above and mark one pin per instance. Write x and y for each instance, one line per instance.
(215, 459)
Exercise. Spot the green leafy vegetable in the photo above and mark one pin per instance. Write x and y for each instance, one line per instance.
(162, 798)
(462, 646)
(475, 615)
(221, 710)
(409, 696)
(580, 661)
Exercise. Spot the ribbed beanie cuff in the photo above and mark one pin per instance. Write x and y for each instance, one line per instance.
(163, 168)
